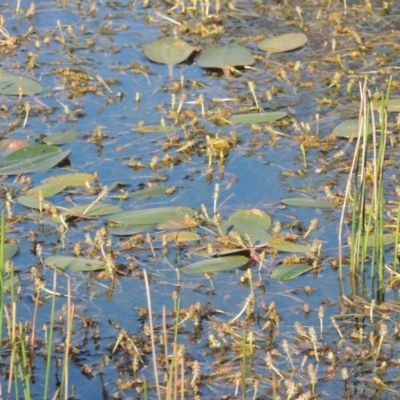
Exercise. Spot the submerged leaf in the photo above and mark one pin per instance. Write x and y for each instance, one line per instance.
(13, 84)
(75, 263)
(288, 272)
(11, 145)
(127, 230)
(149, 192)
(215, 265)
(225, 56)
(168, 51)
(307, 202)
(282, 43)
(257, 118)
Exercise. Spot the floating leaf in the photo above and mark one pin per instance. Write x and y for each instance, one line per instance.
(287, 246)
(151, 215)
(154, 129)
(251, 222)
(393, 105)
(47, 189)
(307, 202)
(33, 202)
(282, 43)
(225, 56)
(96, 210)
(13, 84)
(288, 272)
(75, 264)
(7, 283)
(349, 128)
(257, 118)
(71, 179)
(179, 237)
(149, 192)
(36, 158)
(62, 137)
(127, 230)
(177, 223)
(387, 238)
(215, 265)
(10, 250)
(10, 145)
(168, 51)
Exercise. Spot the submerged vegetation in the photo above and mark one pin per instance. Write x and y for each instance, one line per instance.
(199, 233)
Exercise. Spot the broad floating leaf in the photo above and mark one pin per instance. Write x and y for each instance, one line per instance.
(349, 128)
(177, 223)
(36, 158)
(75, 263)
(127, 230)
(393, 105)
(168, 51)
(287, 246)
(288, 272)
(62, 137)
(154, 129)
(307, 202)
(33, 202)
(251, 222)
(257, 118)
(215, 265)
(151, 215)
(225, 56)
(149, 192)
(71, 179)
(10, 250)
(282, 43)
(96, 210)
(13, 84)
(387, 238)
(47, 189)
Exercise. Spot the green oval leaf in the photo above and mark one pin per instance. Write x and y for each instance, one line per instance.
(282, 43)
(180, 237)
(251, 222)
(168, 51)
(288, 272)
(215, 265)
(47, 190)
(33, 202)
(71, 179)
(75, 263)
(61, 137)
(11, 145)
(10, 250)
(13, 84)
(225, 56)
(37, 158)
(349, 128)
(387, 238)
(255, 118)
(151, 215)
(307, 202)
(96, 210)
(289, 247)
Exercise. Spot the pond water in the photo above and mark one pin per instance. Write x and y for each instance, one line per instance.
(71, 48)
